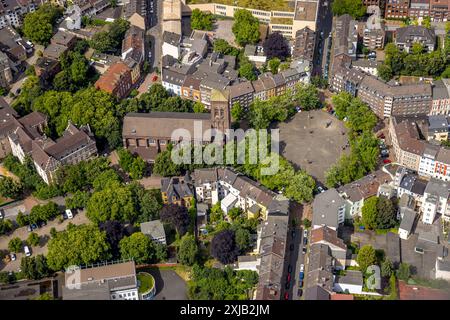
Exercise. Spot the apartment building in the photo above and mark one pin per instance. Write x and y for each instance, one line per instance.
(13, 11)
(397, 9)
(439, 10)
(419, 8)
(6, 75)
(346, 79)
(133, 51)
(304, 45)
(441, 97)
(407, 36)
(241, 93)
(328, 210)
(345, 36)
(116, 80)
(177, 191)
(374, 31)
(435, 202)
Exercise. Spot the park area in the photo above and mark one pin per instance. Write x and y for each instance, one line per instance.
(314, 141)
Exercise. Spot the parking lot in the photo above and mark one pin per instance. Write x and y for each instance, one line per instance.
(43, 232)
(308, 143)
(169, 285)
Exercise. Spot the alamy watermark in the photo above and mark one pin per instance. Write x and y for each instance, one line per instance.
(373, 282)
(227, 148)
(73, 277)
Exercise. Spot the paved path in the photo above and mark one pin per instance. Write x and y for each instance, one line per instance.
(44, 232)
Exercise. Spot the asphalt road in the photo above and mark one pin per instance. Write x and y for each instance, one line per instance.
(296, 258)
(324, 24)
(154, 34)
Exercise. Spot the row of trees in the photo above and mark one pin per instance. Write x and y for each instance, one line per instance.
(364, 145)
(416, 63)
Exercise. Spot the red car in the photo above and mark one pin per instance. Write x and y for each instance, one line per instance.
(288, 277)
(386, 161)
(154, 78)
(381, 136)
(286, 296)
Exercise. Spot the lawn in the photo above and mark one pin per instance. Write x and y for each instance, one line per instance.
(146, 282)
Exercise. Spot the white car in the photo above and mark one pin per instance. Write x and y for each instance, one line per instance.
(305, 233)
(69, 214)
(13, 257)
(27, 251)
(302, 267)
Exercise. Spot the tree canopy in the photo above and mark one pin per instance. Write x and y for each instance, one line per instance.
(188, 250)
(355, 8)
(38, 25)
(224, 247)
(141, 249)
(77, 245)
(276, 46)
(366, 257)
(177, 216)
(201, 20)
(245, 27)
(111, 40)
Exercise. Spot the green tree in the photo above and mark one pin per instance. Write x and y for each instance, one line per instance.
(164, 166)
(201, 20)
(9, 188)
(404, 271)
(387, 213)
(33, 239)
(77, 245)
(370, 213)
(243, 239)
(188, 250)
(273, 65)
(15, 245)
(34, 268)
(237, 111)
(222, 46)
(307, 96)
(138, 247)
(5, 226)
(366, 257)
(417, 48)
(22, 219)
(300, 187)
(386, 268)
(38, 25)
(355, 8)
(307, 223)
(247, 71)
(245, 27)
(199, 108)
(384, 72)
(79, 200)
(115, 202)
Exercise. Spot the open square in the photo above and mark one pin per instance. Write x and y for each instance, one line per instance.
(313, 141)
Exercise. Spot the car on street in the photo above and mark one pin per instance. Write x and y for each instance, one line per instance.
(27, 251)
(293, 234)
(304, 250)
(305, 241)
(305, 233)
(13, 256)
(301, 275)
(300, 283)
(302, 267)
(288, 277)
(289, 268)
(287, 285)
(286, 296)
(69, 214)
(291, 247)
(2, 215)
(384, 153)
(299, 292)
(387, 161)
(320, 189)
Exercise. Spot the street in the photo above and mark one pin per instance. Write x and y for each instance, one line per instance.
(323, 30)
(154, 34)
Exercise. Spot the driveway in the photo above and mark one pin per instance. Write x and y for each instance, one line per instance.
(169, 285)
(44, 233)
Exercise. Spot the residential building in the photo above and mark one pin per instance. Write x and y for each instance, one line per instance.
(155, 231)
(63, 38)
(12, 44)
(191, 88)
(437, 129)
(171, 44)
(319, 277)
(8, 123)
(328, 209)
(385, 99)
(412, 185)
(176, 191)
(409, 35)
(135, 11)
(351, 282)
(12, 12)
(346, 79)
(74, 146)
(255, 54)
(407, 223)
(241, 93)
(428, 160)
(436, 196)
(338, 249)
(441, 98)
(304, 45)
(109, 281)
(133, 51)
(356, 192)
(367, 66)
(419, 9)
(374, 31)
(439, 10)
(345, 36)
(6, 75)
(73, 18)
(116, 80)
(397, 9)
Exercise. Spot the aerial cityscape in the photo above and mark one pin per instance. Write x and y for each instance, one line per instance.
(224, 150)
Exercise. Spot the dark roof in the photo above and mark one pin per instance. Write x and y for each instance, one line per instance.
(171, 38)
(408, 33)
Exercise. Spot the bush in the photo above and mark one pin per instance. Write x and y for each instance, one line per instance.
(33, 239)
(15, 245)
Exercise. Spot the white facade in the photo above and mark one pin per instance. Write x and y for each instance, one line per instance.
(228, 203)
(172, 88)
(171, 50)
(429, 209)
(403, 234)
(427, 165)
(130, 294)
(17, 150)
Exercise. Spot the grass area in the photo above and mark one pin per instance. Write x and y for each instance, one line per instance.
(183, 271)
(267, 5)
(146, 282)
(430, 283)
(385, 231)
(287, 21)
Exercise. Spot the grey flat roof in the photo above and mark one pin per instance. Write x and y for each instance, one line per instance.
(153, 228)
(351, 277)
(325, 208)
(409, 216)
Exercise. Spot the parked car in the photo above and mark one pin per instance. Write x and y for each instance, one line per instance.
(286, 296)
(302, 267)
(154, 78)
(305, 233)
(69, 214)
(320, 189)
(2, 215)
(41, 224)
(27, 251)
(293, 234)
(299, 292)
(384, 153)
(304, 250)
(386, 161)
(288, 278)
(300, 283)
(289, 268)
(287, 285)
(29, 228)
(13, 256)
(34, 226)
(305, 241)
(291, 247)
